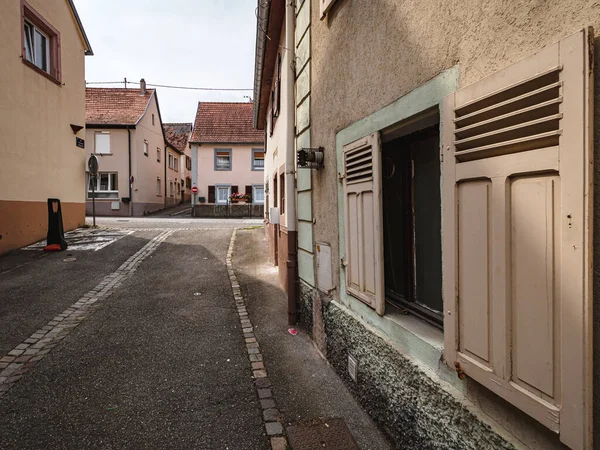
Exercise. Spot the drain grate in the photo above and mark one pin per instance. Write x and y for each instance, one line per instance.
(331, 434)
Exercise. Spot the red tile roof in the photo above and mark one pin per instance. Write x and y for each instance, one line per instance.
(177, 134)
(229, 123)
(115, 106)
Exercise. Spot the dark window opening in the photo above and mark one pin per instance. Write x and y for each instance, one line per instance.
(412, 223)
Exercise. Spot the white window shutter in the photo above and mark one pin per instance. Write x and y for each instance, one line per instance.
(362, 221)
(517, 235)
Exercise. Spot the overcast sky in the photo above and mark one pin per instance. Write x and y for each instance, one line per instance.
(201, 43)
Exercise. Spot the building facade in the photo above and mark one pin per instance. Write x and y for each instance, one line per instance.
(447, 243)
(177, 136)
(227, 161)
(40, 156)
(124, 130)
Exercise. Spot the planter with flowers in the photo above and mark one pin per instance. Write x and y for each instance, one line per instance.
(238, 197)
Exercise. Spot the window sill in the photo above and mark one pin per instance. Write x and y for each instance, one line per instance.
(222, 170)
(41, 72)
(410, 336)
(102, 154)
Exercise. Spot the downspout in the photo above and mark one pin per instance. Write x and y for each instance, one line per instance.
(290, 160)
(165, 177)
(129, 180)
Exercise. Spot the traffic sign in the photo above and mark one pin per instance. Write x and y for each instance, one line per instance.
(195, 190)
(93, 165)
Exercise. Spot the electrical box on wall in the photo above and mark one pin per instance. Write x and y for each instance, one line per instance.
(324, 269)
(115, 206)
(274, 216)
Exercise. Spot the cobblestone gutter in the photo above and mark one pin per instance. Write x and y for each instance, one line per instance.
(262, 383)
(26, 355)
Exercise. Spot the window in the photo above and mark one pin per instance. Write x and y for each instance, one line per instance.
(258, 194)
(412, 223)
(171, 189)
(158, 188)
(158, 154)
(41, 43)
(188, 183)
(258, 159)
(145, 147)
(170, 161)
(282, 193)
(175, 163)
(223, 193)
(188, 163)
(102, 142)
(152, 119)
(106, 185)
(222, 159)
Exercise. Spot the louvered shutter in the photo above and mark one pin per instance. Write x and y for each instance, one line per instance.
(211, 194)
(362, 221)
(517, 240)
(248, 190)
(325, 5)
(234, 188)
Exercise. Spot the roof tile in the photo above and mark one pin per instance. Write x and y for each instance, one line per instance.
(115, 106)
(229, 123)
(177, 134)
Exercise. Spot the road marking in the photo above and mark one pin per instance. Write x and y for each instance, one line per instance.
(87, 239)
(25, 356)
(262, 383)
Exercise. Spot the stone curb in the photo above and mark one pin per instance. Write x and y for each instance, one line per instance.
(262, 384)
(25, 356)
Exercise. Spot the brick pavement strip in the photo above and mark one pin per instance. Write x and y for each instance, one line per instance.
(273, 426)
(24, 356)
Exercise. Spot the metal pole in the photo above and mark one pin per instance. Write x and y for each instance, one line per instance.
(94, 178)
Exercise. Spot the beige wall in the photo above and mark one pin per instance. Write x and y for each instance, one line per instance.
(146, 169)
(174, 176)
(276, 144)
(38, 155)
(366, 55)
(241, 173)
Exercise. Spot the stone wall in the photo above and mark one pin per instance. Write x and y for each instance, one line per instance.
(233, 210)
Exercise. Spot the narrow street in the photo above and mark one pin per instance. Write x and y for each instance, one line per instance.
(138, 344)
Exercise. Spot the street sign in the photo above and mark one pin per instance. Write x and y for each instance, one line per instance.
(93, 165)
(79, 142)
(195, 190)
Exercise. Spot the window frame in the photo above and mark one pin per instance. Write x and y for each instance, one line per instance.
(158, 187)
(175, 163)
(220, 187)
(38, 22)
(170, 161)
(107, 191)
(223, 150)
(252, 162)
(254, 188)
(158, 152)
(145, 147)
(188, 163)
(102, 133)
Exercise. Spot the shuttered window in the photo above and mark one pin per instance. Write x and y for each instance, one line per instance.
(325, 5)
(211, 194)
(362, 221)
(517, 238)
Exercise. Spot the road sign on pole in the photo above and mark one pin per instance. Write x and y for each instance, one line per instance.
(93, 170)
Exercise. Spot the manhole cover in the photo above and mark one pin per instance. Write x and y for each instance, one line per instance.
(332, 434)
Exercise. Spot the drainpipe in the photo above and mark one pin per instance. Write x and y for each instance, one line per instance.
(165, 166)
(129, 179)
(290, 173)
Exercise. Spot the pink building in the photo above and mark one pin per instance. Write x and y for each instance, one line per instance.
(227, 158)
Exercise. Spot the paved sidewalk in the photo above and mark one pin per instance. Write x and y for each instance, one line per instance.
(304, 385)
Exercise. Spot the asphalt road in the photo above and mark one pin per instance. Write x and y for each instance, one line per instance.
(161, 362)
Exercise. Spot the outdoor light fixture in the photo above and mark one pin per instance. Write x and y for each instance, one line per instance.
(76, 128)
(310, 158)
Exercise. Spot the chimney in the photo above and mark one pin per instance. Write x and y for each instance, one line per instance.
(142, 87)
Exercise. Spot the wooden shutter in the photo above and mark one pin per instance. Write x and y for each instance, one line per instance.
(325, 5)
(362, 221)
(517, 235)
(234, 188)
(211, 194)
(249, 191)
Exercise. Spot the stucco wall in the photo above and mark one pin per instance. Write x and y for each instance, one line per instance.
(366, 55)
(146, 170)
(39, 158)
(240, 175)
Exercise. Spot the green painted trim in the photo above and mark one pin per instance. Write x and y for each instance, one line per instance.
(424, 97)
